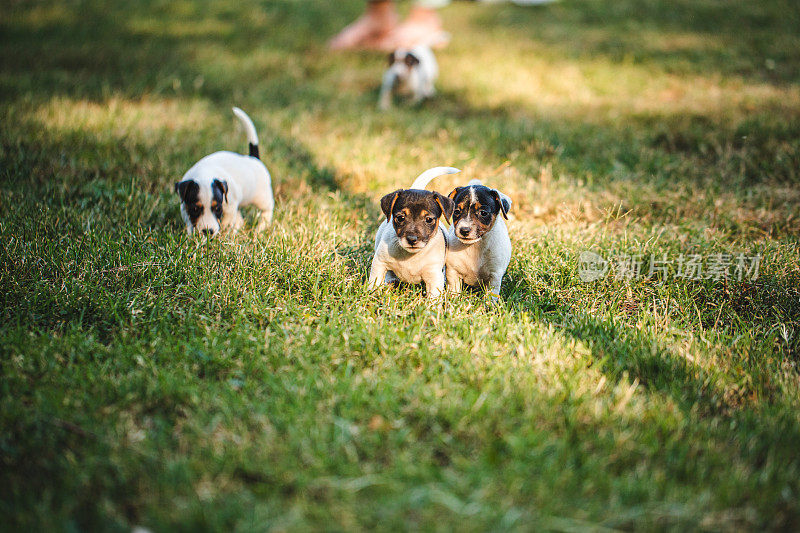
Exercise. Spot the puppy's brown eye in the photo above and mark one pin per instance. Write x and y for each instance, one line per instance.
(483, 214)
(429, 220)
(457, 213)
(399, 217)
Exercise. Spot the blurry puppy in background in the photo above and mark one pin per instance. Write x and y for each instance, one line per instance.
(410, 72)
(410, 244)
(212, 191)
(479, 249)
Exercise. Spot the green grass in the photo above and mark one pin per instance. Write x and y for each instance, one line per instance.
(254, 384)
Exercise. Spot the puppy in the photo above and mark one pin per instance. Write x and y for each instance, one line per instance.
(215, 187)
(410, 71)
(410, 244)
(479, 248)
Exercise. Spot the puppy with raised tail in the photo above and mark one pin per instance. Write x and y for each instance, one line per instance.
(212, 191)
(479, 248)
(410, 244)
(410, 72)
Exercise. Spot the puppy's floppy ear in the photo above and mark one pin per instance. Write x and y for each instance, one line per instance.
(180, 188)
(387, 203)
(222, 185)
(454, 193)
(503, 201)
(446, 204)
(411, 60)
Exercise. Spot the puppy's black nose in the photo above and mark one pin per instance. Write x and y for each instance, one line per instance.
(464, 231)
(208, 232)
(412, 239)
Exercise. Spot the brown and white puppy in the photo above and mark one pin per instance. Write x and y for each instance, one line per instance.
(410, 244)
(479, 247)
(214, 188)
(410, 71)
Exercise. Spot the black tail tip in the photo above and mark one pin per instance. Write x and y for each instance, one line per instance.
(254, 151)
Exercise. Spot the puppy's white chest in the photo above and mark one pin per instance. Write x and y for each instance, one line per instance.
(410, 84)
(467, 261)
(410, 268)
(408, 271)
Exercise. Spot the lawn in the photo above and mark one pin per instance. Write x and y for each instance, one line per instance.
(254, 383)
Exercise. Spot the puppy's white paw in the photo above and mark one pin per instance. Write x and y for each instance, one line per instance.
(233, 222)
(264, 221)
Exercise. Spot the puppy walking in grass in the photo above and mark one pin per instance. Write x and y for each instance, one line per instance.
(410, 244)
(410, 72)
(212, 191)
(479, 248)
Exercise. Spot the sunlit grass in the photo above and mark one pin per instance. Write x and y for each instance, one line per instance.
(254, 383)
(119, 118)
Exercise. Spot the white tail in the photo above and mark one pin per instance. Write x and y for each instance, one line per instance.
(249, 128)
(423, 179)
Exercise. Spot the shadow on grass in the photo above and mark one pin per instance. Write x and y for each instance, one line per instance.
(299, 160)
(733, 417)
(643, 148)
(623, 350)
(699, 37)
(94, 50)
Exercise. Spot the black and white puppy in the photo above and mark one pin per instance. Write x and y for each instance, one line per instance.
(215, 187)
(479, 247)
(410, 244)
(410, 72)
